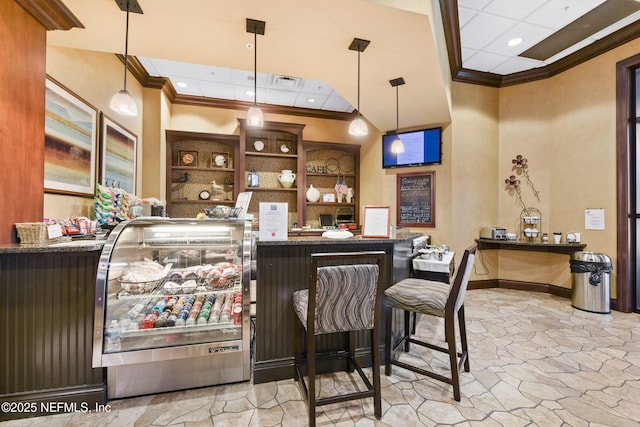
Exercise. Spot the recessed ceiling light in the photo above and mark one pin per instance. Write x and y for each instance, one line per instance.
(182, 84)
(514, 42)
(250, 93)
(311, 100)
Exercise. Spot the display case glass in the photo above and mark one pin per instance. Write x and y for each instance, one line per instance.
(172, 289)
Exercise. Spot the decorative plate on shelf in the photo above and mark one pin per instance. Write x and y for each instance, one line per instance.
(258, 145)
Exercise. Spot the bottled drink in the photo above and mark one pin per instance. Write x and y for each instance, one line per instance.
(113, 336)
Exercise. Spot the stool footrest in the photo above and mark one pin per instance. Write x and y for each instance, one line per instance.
(423, 372)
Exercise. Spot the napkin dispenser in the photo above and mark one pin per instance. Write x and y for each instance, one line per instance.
(493, 233)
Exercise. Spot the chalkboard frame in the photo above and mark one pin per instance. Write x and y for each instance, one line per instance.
(430, 201)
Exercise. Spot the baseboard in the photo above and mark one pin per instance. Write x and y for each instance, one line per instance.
(521, 286)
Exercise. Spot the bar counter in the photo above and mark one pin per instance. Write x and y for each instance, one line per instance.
(47, 296)
(282, 268)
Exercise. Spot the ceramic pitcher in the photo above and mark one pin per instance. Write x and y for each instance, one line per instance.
(286, 178)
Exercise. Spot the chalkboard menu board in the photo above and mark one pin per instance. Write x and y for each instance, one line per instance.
(416, 199)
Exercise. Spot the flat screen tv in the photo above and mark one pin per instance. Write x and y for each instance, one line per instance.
(421, 147)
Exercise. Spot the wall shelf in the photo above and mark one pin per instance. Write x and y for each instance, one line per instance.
(558, 248)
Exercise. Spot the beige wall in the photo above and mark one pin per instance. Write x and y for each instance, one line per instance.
(95, 77)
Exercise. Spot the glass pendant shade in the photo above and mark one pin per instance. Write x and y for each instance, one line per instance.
(255, 117)
(358, 127)
(397, 146)
(124, 104)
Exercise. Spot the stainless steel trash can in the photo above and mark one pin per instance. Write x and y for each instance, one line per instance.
(591, 282)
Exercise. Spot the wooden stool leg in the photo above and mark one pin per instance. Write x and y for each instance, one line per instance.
(450, 335)
(311, 364)
(407, 329)
(375, 370)
(463, 338)
(388, 311)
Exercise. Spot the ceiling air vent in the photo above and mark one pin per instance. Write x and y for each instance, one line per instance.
(285, 82)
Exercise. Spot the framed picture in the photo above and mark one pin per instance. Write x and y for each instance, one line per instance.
(188, 158)
(118, 155)
(375, 221)
(70, 142)
(328, 198)
(415, 199)
(220, 160)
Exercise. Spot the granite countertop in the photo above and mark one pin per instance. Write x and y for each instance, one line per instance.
(319, 240)
(57, 247)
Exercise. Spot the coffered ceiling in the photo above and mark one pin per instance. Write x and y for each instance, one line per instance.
(304, 52)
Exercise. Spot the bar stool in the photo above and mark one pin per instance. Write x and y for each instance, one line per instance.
(433, 299)
(344, 296)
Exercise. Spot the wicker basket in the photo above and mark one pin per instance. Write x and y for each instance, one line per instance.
(32, 232)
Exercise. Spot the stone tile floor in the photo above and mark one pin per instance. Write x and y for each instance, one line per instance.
(535, 361)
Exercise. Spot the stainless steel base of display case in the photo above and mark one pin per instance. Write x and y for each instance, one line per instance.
(169, 375)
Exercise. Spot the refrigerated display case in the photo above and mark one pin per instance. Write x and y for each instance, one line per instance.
(172, 305)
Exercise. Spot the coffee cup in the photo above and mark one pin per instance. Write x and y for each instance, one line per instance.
(557, 237)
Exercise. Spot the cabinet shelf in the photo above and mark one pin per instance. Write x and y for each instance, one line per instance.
(206, 202)
(332, 175)
(329, 204)
(261, 154)
(271, 189)
(192, 168)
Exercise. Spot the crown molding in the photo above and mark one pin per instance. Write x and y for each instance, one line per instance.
(52, 14)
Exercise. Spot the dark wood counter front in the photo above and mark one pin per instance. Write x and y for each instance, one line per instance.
(282, 268)
(47, 296)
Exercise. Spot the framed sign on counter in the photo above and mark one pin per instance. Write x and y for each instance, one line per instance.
(375, 221)
(415, 202)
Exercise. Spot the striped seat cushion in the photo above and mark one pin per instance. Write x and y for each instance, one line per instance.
(419, 295)
(345, 299)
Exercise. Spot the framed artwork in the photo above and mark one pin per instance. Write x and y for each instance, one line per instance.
(328, 198)
(118, 155)
(70, 142)
(188, 158)
(375, 221)
(416, 199)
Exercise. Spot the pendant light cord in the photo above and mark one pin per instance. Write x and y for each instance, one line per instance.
(358, 82)
(397, 113)
(255, 68)
(126, 49)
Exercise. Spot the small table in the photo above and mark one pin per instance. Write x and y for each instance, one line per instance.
(435, 269)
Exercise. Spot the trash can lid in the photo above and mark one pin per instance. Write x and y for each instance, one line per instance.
(591, 257)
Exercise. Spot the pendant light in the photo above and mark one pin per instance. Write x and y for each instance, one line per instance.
(358, 127)
(397, 146)
(122, 102)
(255, 117)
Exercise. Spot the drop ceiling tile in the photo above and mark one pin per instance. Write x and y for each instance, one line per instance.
(465, 15)
(281, 97)
(473, 4)
(214, 74)
(467, 53)
(483, 29)
(515, 65)
(316, 86)
(483, 61)
(302, 100)
(218, 90)
(514, 9)
(192, 86)
(531, 35)
(336, 102)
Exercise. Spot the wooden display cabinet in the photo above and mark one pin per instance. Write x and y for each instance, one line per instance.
(326, 166)
(267, 151)
(202, 172)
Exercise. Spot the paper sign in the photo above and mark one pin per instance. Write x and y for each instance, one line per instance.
(594, 219)
(273, 221)
(54, 230)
